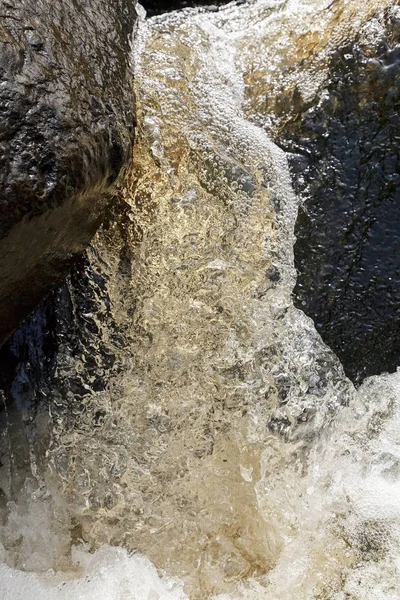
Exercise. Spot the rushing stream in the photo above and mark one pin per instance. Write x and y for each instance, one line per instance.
(225, 455)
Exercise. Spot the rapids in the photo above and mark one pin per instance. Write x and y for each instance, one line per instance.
(228, 456)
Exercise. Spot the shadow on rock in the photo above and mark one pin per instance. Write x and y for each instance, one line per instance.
(67, 125)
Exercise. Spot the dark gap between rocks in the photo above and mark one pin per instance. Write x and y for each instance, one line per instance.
(154, 7)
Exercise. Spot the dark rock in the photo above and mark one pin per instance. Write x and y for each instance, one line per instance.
(348, 232)
(156, 7)
(74, 325)
(66, 131)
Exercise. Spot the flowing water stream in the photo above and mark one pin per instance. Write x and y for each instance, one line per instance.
(228, 456)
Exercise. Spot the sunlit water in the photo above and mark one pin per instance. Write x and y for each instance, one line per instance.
(232, 455)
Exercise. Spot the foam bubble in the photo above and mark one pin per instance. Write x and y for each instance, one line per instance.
(108, 574)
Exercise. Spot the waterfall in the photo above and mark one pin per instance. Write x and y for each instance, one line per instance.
(228, 456)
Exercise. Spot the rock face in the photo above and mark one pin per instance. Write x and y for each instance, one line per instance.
(345, 162)
(66, 132)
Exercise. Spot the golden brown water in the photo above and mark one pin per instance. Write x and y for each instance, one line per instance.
(231, 449)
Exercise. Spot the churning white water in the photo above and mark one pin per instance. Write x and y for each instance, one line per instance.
(234, 460)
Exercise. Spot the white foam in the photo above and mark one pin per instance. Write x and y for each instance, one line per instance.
(108, 574)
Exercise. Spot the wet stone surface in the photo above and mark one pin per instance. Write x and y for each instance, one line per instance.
(67, 327)
(156, 7)
(66, 132)
(344, 157)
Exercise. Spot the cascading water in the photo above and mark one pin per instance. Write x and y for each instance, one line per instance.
(228, 450)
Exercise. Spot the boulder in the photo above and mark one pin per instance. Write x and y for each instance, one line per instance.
(332, 103)
(66, 132)
(348, 243)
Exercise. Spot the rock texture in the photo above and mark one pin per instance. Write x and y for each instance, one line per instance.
(156, 7)
(66, 132)
(345, 162)
(334, 106)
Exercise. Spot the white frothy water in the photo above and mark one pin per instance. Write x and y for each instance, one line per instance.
(290, 486)
(108, 574)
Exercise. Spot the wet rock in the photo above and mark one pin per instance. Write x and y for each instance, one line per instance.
(66, 132)
(156, 7)
(72, 331)
(344, 157)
